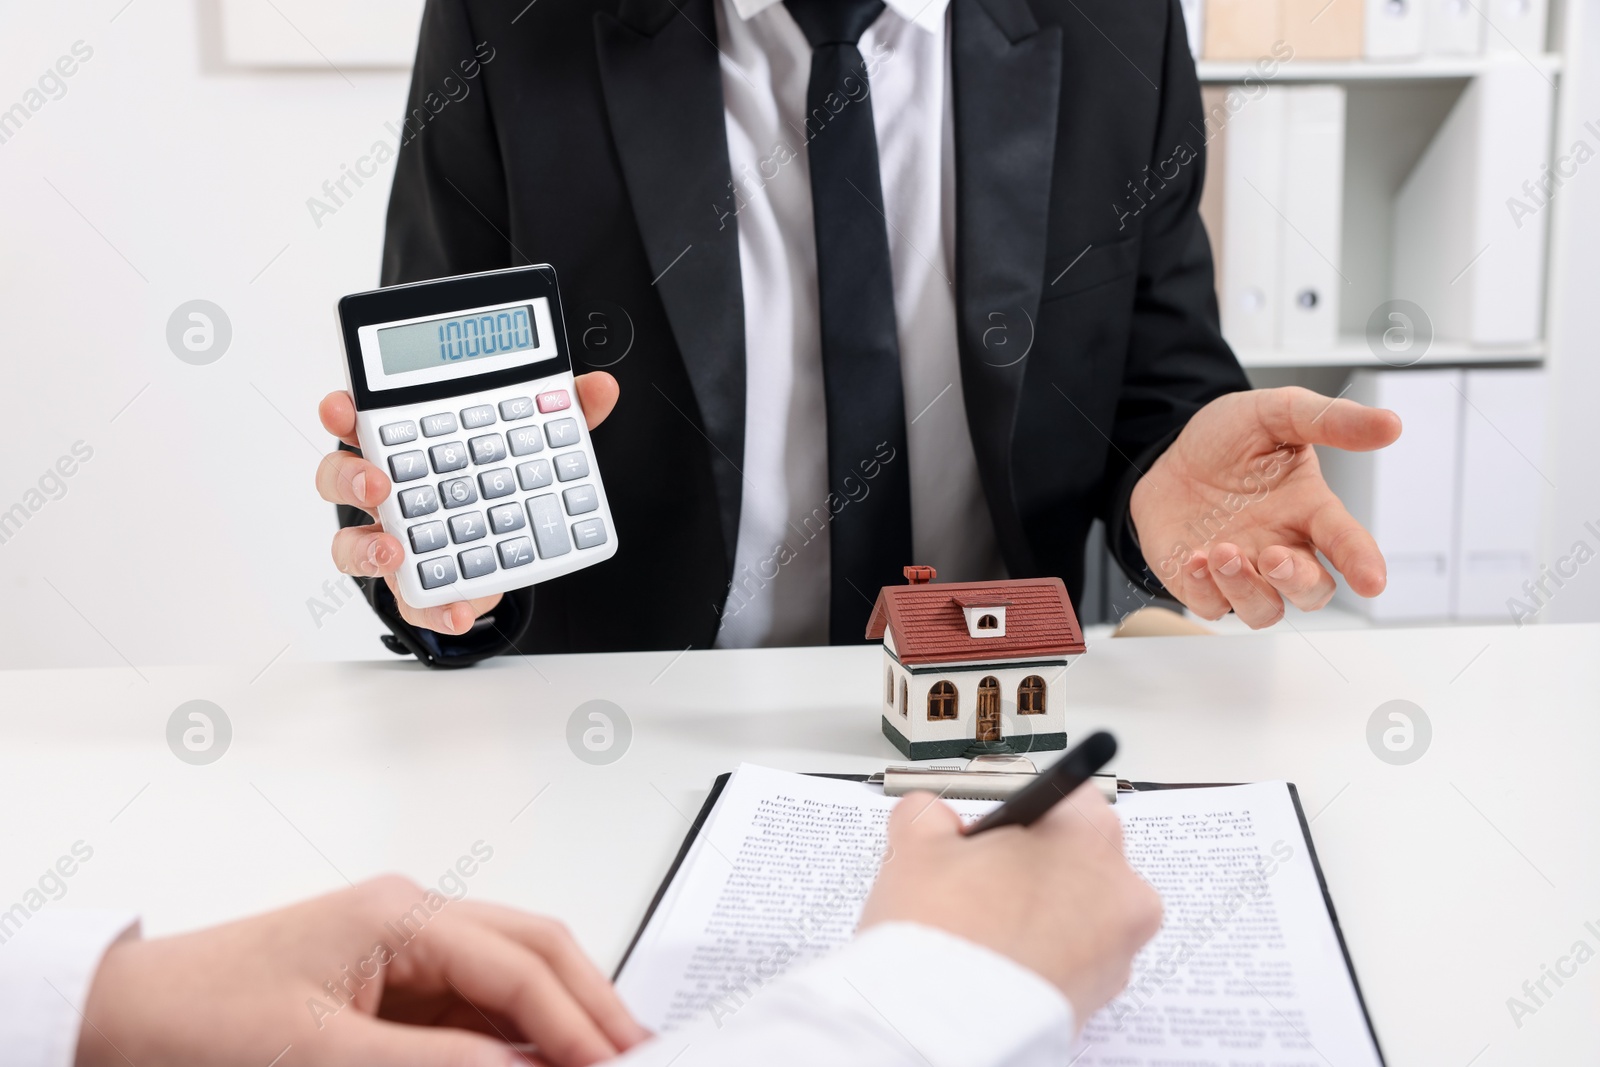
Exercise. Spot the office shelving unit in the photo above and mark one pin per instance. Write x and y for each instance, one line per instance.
(1394, 109)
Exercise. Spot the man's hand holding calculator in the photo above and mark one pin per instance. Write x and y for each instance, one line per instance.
(371, 551)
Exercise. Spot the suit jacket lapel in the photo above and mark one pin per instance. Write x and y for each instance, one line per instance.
(1006, 75)
(663, 94)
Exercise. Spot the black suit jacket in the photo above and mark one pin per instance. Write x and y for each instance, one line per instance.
(590, 135)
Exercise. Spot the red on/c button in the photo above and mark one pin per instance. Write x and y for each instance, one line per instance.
(555, 400)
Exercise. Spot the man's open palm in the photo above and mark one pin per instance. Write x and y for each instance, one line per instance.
(1233, 514)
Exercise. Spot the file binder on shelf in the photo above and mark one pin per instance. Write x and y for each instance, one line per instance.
(1502, 491)
(1282, 153)
(1406, 494)
(1515, 26)
(1309, 231)
(1253, 189)
(1393, 29)
(1453, 28)
(1324, 29)
(1242, 29)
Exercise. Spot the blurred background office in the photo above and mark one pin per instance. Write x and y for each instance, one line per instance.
(1403, 198)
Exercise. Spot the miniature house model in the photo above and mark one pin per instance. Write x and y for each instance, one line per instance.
(974, 668)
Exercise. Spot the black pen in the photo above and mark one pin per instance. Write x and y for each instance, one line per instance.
(1081, 763)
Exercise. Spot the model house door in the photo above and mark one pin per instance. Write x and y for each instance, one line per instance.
(989, 710)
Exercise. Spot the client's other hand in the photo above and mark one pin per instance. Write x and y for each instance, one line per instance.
(372, 974)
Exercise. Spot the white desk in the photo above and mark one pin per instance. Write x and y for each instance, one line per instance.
(1456, 877)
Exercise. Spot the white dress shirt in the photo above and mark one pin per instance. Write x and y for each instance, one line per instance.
(46, 968)
(780, 586)
(901, 995)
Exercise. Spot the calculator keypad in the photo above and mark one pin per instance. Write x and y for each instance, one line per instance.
(525, 440)
(580, 500)
(427, 537)
(438, 425)
(516, 408)
(496, 483)
(450, 456)
(570, 466)
(398, 433)
(534, 474)
(540, 508)
(458, 492)
(440, 570)
(490, 448)
(516, 552)
(589, 533)
(468, 526)
(506, 517)
(407, 466)
(549, 526)
(477, 562)
(561, 432)
(419, 501)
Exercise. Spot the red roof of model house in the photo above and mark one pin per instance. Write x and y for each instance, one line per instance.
(930, 626)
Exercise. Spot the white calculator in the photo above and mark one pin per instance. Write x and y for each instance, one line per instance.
(464, 396)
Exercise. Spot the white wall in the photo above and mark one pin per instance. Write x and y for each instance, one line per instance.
(193, 534)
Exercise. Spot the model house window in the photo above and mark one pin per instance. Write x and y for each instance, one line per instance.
(888, 685)
(905, 701)
(988, 622)
(942, 701)
(1030, 696)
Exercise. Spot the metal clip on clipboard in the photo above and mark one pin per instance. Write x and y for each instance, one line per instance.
(984, 778)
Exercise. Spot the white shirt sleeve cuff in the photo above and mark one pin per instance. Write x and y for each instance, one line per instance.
(47, 964)
(953, 1000)
(900, 995)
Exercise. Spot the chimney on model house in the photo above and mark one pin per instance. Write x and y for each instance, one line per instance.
(919, 575)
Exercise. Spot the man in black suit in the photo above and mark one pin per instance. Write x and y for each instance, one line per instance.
(705, 176)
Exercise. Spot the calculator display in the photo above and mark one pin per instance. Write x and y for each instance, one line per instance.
(436, 342)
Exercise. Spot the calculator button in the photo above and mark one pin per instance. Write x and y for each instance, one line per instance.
(589, 532)
(457, 492)
(554, 400)
(450, 456)
(549, 526)
(476, 562)
(487, 449)
(571, 466)
(473, 417)
(497, 483)
(534, 474)
(407, 466)
(419, 501)
(506, 517)
(427, 537)
(580, 499)
(525, 440)
(398, 433)
(438, 571)
(561, 432)
(516, 552)
(467, 526)
(518, 407)
(438, 425)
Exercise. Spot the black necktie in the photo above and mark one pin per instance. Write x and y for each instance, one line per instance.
(868, 474)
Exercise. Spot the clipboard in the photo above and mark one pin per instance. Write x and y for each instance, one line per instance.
(1134, 786)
